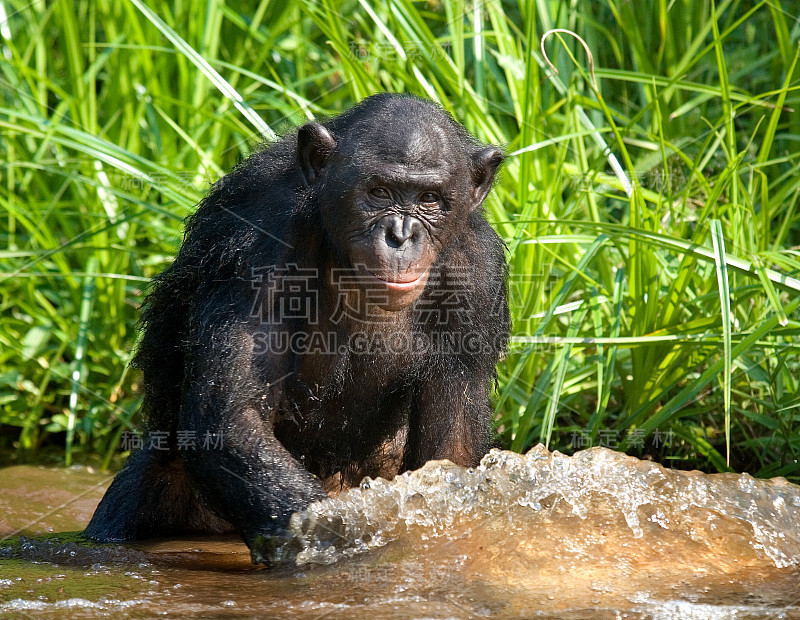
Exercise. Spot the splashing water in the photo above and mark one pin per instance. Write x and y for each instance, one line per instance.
(720, 515)
(596, 535)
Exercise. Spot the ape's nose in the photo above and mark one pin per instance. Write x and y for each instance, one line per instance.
(400, 229)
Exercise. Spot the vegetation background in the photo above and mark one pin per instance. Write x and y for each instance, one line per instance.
(649, 202)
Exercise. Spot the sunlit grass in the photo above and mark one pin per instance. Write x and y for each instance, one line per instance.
(651, 220)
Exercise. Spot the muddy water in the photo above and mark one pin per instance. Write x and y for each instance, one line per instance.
(596, 535)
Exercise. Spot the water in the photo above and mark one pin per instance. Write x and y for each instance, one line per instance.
(595, 535)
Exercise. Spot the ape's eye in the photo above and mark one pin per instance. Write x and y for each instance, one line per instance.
(429, 198)
(379, 192)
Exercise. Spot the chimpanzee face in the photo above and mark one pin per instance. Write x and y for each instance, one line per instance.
(392, 197)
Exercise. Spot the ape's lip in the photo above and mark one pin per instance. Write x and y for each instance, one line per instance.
(400, 285)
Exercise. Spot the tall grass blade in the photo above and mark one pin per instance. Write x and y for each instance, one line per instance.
(718, 241)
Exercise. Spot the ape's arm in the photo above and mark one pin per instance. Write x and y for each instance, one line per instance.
(245, 475)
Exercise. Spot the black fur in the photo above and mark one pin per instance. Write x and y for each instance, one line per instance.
(293, 425)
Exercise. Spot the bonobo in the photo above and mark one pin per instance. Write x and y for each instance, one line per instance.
(336, 311)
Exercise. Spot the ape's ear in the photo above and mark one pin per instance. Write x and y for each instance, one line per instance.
(484, 165)
(314, 146)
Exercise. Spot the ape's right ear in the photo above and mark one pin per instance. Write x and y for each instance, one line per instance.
(315, 144)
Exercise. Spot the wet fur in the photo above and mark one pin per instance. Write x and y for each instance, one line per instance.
(296, 426)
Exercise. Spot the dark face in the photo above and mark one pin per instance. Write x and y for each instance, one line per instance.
(393, 196)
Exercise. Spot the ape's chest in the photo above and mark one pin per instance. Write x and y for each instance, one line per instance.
(336, 414)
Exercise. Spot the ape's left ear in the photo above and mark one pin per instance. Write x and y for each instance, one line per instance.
(314, 147)
(484, 166)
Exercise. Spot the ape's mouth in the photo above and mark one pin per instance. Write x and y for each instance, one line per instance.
(384, 287)
(391, 290)
(409, 282)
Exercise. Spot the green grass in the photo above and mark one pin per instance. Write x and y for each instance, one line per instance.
(650, 209)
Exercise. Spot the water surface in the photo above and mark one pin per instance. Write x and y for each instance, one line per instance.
(595, 535)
